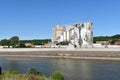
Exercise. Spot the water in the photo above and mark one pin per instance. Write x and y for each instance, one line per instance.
(72, 69)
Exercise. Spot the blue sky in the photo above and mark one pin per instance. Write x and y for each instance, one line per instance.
(34, 19)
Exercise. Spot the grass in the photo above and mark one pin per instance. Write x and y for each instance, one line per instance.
(19, 76)
(31, 75)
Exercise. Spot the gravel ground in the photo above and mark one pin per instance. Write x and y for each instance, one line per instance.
(60, 52)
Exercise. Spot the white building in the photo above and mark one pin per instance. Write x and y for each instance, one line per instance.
(76, 34)
(58, 33)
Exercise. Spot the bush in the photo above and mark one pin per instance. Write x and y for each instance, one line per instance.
(32, 71)
(39, 73)
(57, 75)
(10, 71)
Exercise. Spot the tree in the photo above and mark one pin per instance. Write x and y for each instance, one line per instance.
(22, 45)
(14, 41)
(5, 42)
(57, 75)
(112, 39)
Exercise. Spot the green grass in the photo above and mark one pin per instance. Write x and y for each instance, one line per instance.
(31, 75)
(19, 76)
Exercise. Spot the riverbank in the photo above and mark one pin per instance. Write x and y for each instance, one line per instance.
(81, 53)
(32, 74)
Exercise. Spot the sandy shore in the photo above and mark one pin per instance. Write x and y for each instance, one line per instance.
(81, 53)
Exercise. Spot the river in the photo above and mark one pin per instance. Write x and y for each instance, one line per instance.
(72, 69)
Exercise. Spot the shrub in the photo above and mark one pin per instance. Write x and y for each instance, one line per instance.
(10, 71)
(32, 71)
(57, 75)
(39, 73)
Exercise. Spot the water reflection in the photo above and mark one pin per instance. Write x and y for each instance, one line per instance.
(72, 69)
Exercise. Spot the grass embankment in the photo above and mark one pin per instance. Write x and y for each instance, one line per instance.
(19, 76)
(31, 75)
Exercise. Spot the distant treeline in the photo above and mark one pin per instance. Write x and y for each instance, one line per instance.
(36, 41)
(15, 42)
(111, 39)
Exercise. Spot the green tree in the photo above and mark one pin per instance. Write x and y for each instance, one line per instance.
(5, 42)
(14, 41)
(57, 75)
(22, 45)
(111, 39)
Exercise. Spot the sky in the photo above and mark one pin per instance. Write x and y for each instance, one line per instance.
(34, 19)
